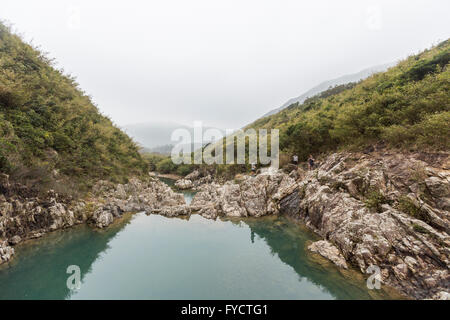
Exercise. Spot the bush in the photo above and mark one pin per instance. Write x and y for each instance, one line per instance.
(419, 229)
(424, 67)
(153, 159)
(166, 166)
(407, 206)
(184, 169)
(375, 199)
(435, 131)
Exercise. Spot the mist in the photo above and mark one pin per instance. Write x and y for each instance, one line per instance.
(224, 63)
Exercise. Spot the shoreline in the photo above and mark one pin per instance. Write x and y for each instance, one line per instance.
(172, 176)
(329, 201)
(351, 275)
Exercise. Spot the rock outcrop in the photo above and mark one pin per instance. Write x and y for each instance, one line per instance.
(251, 197)
(194, 175)
(183, 184)
(6, 252)
(329, 251)
(150, 196)
(24, 214)
(390, 210)
(194, 181)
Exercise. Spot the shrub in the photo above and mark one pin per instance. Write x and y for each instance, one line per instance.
(434, 130)
(166, 166)
(152, 159)
(184, 169)
(374, 199)
(407, 206)
(419, 229)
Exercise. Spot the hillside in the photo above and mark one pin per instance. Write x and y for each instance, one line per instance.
(50, 131)
(354, 77)
(407, 107)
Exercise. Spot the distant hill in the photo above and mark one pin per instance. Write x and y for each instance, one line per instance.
(153, 134)
(49, 128)
(331, 83)
(156, 136)
(164, 150)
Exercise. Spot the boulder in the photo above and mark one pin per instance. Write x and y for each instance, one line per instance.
(6, 252)
(183, 184)
(329, 251)
(15, 240)
(103, 219)
(194, 175)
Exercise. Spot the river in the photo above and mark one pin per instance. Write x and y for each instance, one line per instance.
(154, 257)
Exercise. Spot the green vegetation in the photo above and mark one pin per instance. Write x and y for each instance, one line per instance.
(47, 124)
(407, 106)
(375, 199)
(163, 164)
(153, 159)
(407, 206)
(419, 229)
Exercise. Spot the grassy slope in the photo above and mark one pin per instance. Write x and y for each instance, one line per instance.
(408, 107)
(43, 111)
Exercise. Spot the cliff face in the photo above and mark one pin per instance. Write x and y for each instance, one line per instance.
(385, 209)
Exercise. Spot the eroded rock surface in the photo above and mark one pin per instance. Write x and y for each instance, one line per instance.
(194, 181)
(6, 252)
(251, 197)
(183, 184)
(25, 214)
(385, 209)
(389, 210)
(329, 251)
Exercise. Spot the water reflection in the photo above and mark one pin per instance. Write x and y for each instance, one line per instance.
(153, 257)
(38, 271)
(289, 242)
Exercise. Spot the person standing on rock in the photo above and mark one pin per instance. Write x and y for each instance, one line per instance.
(295, 159)
(311, 162)
(253, 168)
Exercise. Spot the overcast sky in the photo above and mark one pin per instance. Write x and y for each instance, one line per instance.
(222, 62)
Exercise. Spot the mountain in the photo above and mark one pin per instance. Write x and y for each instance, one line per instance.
(156, 136)
(355, 77)
(153, 134)
(407, 106)
(50, 131)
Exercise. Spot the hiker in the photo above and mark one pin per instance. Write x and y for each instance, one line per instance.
(295, 159)
(311, 162)
(253, 168)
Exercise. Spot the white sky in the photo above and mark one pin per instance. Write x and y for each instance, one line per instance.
(222, 62)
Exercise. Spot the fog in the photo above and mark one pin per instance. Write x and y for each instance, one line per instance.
(224, 63)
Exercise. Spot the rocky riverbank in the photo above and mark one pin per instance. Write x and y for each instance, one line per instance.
(385, 209)
(24, 214)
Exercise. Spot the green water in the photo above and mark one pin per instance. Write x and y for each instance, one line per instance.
(188, 194)
(153, 257)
